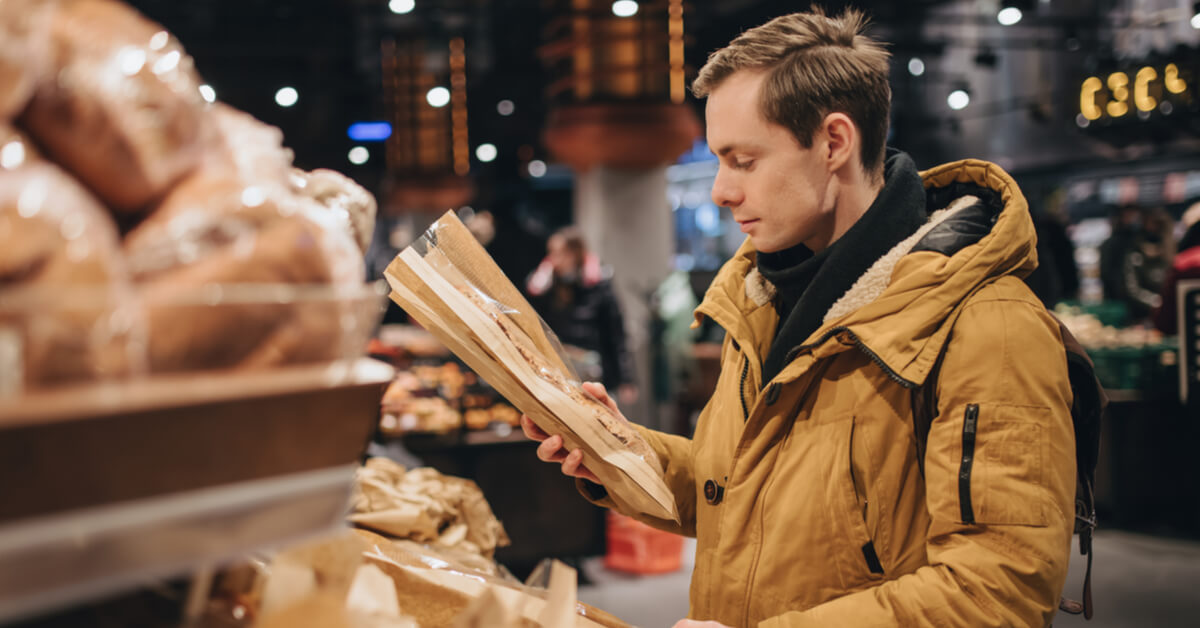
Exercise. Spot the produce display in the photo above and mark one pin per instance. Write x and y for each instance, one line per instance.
(1126, 358)
(139, 223)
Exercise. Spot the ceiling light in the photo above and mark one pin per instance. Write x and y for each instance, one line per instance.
(916, 66)
(208, 93)
(958, 99)
(625, 8)
(359, 155)
(1009, 16)
(485, 152)
(438, 97)
(287, 96)
(505, 107)
(402, 6)
(537, 168)
(1196, 15)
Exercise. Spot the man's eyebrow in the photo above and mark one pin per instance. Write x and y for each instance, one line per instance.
(728, 148)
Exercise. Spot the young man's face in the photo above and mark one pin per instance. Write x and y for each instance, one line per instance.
(781, 193)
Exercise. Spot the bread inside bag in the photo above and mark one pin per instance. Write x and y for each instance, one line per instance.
(449, 284)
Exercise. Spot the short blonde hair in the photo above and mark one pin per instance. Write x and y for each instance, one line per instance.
(815, 65)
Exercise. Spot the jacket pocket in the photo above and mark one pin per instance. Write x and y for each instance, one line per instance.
(1002, 465)
(851, 502)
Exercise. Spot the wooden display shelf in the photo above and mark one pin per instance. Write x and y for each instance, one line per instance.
(107, 487)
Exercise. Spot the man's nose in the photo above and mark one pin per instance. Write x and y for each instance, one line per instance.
(724, 192)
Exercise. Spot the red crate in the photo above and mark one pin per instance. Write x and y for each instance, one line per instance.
(635, 547)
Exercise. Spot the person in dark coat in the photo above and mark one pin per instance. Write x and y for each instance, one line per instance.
(1186, 265)
(572, 291)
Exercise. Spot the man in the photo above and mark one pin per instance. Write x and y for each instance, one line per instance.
(812, 500)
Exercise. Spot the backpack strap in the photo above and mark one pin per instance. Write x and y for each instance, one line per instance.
(1087, 407)
(925, 406)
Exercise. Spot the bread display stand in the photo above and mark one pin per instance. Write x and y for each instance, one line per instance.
(106, 488)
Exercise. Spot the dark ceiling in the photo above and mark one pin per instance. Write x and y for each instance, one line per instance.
(329, 51)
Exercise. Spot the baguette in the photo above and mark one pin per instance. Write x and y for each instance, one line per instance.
(621, 429)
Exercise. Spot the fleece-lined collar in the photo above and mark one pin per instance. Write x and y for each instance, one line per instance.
(899, 307)
(807, 289)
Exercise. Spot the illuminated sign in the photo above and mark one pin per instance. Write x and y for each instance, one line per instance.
(1137, 92)
(369, 131)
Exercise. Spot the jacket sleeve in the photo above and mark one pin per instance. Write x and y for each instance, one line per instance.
(999, 484)
(675, 454)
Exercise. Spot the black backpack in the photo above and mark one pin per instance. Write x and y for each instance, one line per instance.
(1087, 408)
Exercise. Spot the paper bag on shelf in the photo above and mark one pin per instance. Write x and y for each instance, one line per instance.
(449, 284)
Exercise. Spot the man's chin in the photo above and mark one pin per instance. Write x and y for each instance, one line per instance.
(765, 246)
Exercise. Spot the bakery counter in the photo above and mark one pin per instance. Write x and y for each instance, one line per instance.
(540, 508)
(1145, 479)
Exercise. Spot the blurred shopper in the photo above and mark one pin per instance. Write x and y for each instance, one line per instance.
(1186, 265)
(572, 292)
(1135, 258)
(810, 499)
(1056, 277)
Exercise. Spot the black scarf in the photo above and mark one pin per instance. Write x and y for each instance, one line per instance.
(808, 284)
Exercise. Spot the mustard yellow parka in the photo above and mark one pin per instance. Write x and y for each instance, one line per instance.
(805, 494)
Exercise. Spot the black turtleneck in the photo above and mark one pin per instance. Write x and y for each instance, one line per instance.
(808, 284)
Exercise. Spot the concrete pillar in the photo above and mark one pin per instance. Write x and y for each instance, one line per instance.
(626, 221)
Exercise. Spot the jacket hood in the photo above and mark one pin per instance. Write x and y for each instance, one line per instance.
(899, 309)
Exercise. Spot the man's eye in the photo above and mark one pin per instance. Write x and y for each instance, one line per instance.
(743, 165)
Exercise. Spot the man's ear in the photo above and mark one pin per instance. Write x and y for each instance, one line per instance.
(841, 140)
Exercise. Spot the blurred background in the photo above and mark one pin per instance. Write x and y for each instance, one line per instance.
(525, 117)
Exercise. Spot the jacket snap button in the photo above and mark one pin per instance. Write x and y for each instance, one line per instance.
(772, 394)
(713, 492)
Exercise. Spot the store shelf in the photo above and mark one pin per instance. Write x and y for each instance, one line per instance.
(428, 441)
(108, 488)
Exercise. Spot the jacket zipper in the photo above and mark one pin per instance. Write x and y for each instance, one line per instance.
(861, 347)
(742, 387)
(970, 426)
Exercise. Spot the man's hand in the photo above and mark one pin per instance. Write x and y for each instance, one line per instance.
(687, 623)
(551, 448)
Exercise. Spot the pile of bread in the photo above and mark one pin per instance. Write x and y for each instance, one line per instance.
(129, 205)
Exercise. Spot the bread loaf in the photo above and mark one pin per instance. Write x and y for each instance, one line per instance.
(343, 196)
(64, 290)
(120, 108)
(15, 148)
(213, 233)
(23, 53)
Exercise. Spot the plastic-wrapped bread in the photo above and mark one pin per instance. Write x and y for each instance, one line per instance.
(65, 304)
(120, 108)
(343, 196)
(23, 53)
(215, 231)
(15, 148)
(249, 148)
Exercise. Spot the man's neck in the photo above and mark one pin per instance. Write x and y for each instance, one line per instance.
(854, 199)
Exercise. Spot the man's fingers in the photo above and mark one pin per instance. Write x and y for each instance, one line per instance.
(551, 450)
(532, 431)
(597, 390)
(573, 466)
